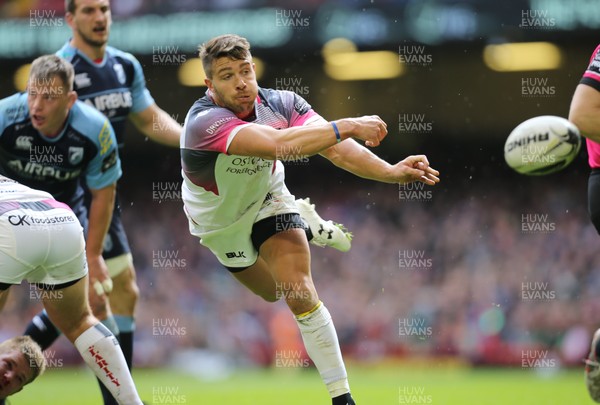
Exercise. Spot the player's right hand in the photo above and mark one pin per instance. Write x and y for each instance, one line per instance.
(369, 128)
(100, 281)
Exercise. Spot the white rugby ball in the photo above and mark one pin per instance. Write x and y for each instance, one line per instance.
(542, 145)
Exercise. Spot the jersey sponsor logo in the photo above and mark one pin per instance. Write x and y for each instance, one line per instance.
(120, 72)
(82, 80)
(109, 161)
(105, 139)
(301, 106)
(38, 170)
(112, 101)
(16, 113)
(215, 125)
(75, 154)
(22, 220)
(23, 142)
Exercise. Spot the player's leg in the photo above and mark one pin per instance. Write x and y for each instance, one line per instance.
(258, 279)
(282, 270)
(96, 344)
(3, 295)
(65, 272)
(288, 257)
(123, 300)
(41, 329)
(124, 296)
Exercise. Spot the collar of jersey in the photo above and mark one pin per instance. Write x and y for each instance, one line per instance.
(75, 50)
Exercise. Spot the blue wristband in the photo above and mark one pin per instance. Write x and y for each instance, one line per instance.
(337, 132)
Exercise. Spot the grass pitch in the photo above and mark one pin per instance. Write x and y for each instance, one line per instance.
(371, 385)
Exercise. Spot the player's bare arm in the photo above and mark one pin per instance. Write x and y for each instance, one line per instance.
(585, 111)
(269, 143)
(101, 210)
(156, 124)
(360, 161)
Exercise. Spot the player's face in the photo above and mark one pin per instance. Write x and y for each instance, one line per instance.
(49, 103)
(234, 85)
(14, 372)
(91, 21)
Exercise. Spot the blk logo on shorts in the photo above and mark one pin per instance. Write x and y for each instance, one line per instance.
(233, 255)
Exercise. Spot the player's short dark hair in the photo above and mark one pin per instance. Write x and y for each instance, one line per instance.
(229, 45)
(70, 6)
(49, 66)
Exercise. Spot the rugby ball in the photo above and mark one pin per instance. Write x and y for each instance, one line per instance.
(542, 145)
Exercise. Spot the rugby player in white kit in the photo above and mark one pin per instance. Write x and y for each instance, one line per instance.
(238, 204)
(41, 241)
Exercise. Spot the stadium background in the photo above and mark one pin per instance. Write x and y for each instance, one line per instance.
(487, 268)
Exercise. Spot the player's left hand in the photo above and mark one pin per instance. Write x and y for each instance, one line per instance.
(415, 168)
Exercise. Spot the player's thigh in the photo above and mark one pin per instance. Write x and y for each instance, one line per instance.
(258, 279)
(288, 258)
(287, 255)
(3, 297)
(71, 313)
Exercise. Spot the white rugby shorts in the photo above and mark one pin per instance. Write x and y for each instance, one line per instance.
(232, 245)
(41, 242)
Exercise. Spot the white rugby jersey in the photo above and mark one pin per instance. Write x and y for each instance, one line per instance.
(218, 188)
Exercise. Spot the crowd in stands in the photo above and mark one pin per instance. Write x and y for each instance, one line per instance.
(488, 272)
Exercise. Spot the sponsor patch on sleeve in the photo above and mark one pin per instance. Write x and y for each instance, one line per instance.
(109, 161)
(105, 139)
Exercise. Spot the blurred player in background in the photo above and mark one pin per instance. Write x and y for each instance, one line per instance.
(238, 204)
(41, 241)
(585, 114)
(49, 140)
(21, 362)
(113, 82)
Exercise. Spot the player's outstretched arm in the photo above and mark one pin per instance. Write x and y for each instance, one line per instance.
(585, 111)
(157, 125)
(269, 143)
(355, 158)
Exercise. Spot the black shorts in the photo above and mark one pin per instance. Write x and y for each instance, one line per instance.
(594, 198)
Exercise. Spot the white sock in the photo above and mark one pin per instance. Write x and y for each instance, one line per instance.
(321, 342)
(102, 353)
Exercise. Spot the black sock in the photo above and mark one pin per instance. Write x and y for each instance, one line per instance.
(345, 399)
(42, 330)
(126, 342)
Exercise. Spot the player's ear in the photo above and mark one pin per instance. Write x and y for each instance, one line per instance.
(72, 96)
(69, 19)
(208, 83)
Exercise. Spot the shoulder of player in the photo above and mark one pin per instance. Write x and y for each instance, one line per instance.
(205, 110)
(14, 108)
(87, 120)
(67, 52)
(284, 101)
(124, 57)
